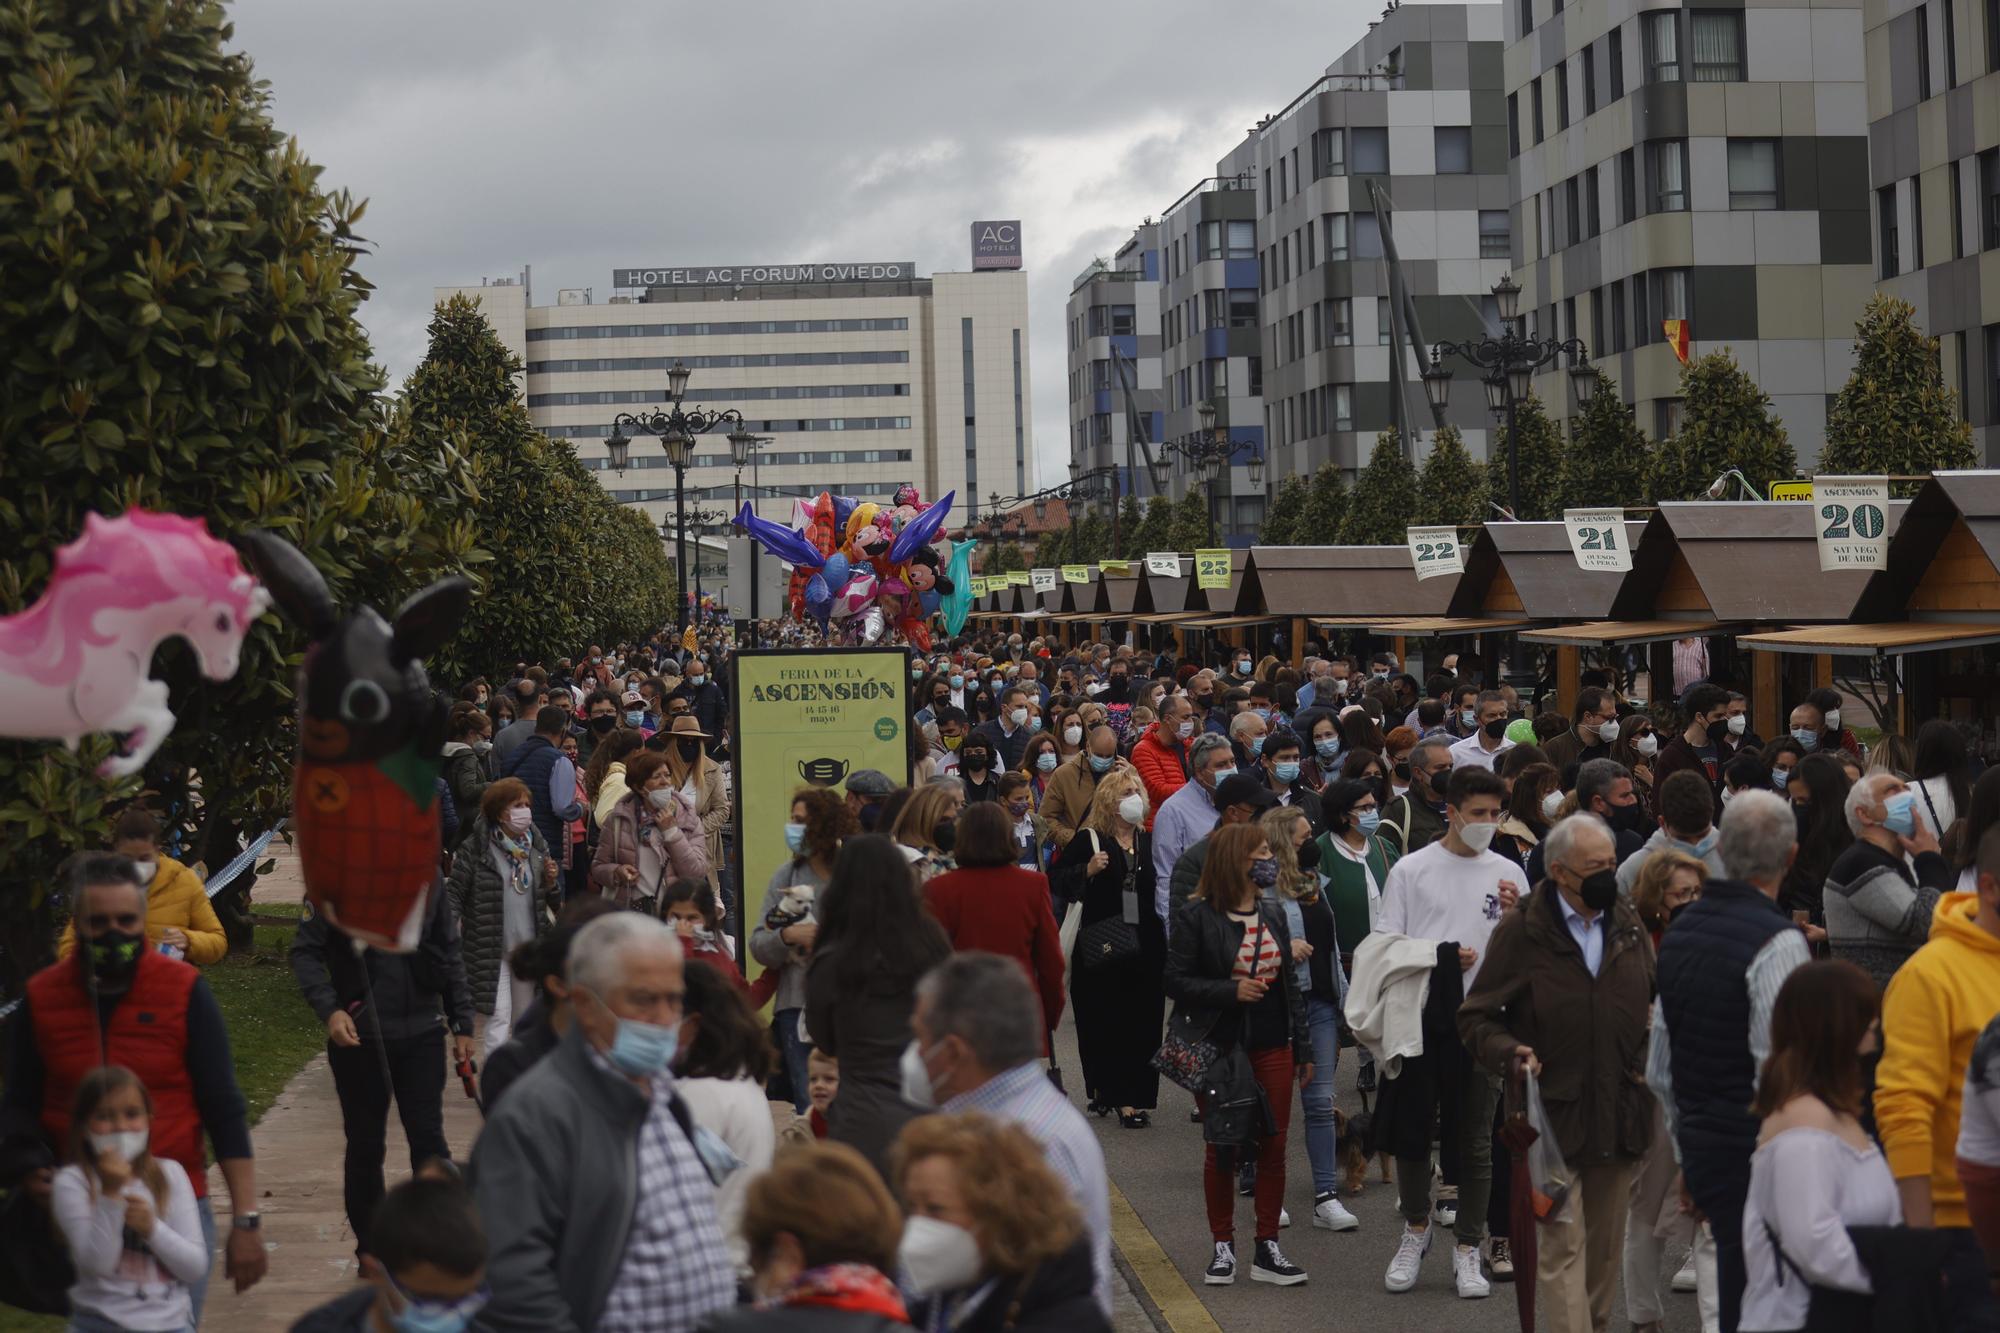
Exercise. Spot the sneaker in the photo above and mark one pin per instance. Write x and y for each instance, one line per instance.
(1246, 1182)
(1684, 1278)
(1284, 1217)
(1328, 1215)
(1272, 1266)
(1410, 1252)
(1500, 1258)
(1221, 1269)
(1446, 1211)
(1472, 1284)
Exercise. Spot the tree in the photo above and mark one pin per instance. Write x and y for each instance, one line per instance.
(1281, 517)
(1190, 520)
(1726, 423)
(1450, 488)
(178, 302)
(1894, 415)
(1383, 503)
(1155, 531)
(1325, 508)
(1089, 535)
(1608, 459)
(1052, 547)
(1130, 522)
(1540, 443)
(1007, 557)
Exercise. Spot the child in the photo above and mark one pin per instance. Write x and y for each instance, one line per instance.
(689, 906)
(426, 1267)
(128, 1216)
(822, 1082)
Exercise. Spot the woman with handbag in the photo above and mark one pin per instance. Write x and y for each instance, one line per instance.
(1239, 1034)
(1120, 951)
(651, 836)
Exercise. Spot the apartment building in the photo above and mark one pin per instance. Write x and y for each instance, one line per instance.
(1113, 341)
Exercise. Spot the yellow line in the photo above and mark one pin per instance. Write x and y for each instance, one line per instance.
(1164, 1285)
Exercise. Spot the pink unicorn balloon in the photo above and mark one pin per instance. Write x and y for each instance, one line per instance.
(75, 662)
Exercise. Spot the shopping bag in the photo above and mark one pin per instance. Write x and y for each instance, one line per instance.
(1548, 1175)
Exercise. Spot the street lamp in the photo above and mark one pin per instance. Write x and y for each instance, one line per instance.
(742, 445)
(676, 431)
(1208, 453)
(1510, 360)
(1082, 485)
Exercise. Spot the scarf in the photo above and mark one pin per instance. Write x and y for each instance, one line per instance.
(854, 1287)
(518, 852)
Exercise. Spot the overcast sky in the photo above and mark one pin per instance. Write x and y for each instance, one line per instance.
(577, 137)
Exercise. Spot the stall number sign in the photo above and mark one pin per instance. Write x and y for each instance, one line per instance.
(1597, 539)
(1434, 552)
(1211, 569)
(1119, 567)
(978, 586)
(1044, 580)
(1165, 563)
(1017, 578)
(1076, 573)
(1851, 517)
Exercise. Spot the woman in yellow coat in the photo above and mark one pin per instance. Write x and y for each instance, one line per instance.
(178, 914)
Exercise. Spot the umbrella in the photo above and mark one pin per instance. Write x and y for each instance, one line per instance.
(1518, 1135)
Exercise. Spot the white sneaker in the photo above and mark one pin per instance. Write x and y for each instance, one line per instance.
(1472, 1284)
(1284, 1218)
(1684, 1279)
(1329, 1215)
(1410, 1252)
(1445, 1211)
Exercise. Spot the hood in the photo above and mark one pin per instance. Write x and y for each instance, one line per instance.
(1957, 918)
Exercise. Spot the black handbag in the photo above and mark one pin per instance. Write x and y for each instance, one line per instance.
(1184, 1063)
(1110, 940)
(1235, 1111)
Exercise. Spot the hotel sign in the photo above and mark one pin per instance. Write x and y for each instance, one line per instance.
(996, 244)
(753, 275)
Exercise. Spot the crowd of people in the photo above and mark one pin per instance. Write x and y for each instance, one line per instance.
(1751, 984)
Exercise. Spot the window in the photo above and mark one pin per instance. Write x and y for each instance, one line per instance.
(1989, 199)
(1666, 176)
(1628, 185)
(1588, 60)
(1496, 239)
(1256, 368)
(1370, 145)
(1916, 222)
(1639, 321)
(1562, 95)
(1214, 309)
(1753, 174)
(1572, 211)
(1569, 317)
(1208, 240)
(1669, 294)
(1242, 308)
(1667, 415)
(1367, 236)
(1885, 208)
(1957, 217)
(1329, 153)
(1992, 35)
(1924, 51)
(1215, 377)
(1963, 385)
(1283, 193)
(1950, 45)
(1615, 49)
(1343, 407)
(1663, 49)
(1267, 189)
(1618, 316)
(1716, 36)
(1242, 240)
(1592, 220)
(1382, 321)
(1535, 107)
(1454, 150)
(1284, 259)
(1527, 17)
(1334, 225)
(1316, 336)
(1513, 124)
(1340, 314)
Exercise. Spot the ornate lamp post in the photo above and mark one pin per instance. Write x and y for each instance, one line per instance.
(1208, 451)
(1081, 486)
(742, 447)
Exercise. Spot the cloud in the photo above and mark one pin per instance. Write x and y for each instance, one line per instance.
(573, 138)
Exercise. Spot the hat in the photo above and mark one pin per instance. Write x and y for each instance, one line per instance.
(634, 697)
(1242, 789)
(1521, 731)
(684, 724)
(869, 782)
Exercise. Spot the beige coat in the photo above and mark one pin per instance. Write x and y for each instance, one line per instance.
(713, 808)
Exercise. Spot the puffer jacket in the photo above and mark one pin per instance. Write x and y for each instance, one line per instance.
(1162, 767)
(174, 898)
(618, 846)
(1066, 800)
(476, 891)
(465, 774)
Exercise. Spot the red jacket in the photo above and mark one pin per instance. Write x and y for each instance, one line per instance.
(147, 1034)
(1162, 767)
(1004, 910)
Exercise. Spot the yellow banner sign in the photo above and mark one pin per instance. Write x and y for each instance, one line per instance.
(1792, 490)
(1018, 577)
(1117, 567)
(1076, 573)
(1211, 569)
(978, 586)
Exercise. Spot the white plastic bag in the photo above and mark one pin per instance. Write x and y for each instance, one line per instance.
(1549, 1178)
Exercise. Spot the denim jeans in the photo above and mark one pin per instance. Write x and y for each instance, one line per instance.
(794, 1053)
(1316, 1097)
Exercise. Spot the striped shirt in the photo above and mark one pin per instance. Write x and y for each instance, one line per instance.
(1024, 1096)
(1690, 663)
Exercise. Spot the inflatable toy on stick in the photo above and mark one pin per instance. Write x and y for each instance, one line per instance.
(76, 660)
(371, 734)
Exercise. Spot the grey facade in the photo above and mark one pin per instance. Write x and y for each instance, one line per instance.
(1113, 339)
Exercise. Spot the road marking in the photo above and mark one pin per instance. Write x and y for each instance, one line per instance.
(1165, 1287)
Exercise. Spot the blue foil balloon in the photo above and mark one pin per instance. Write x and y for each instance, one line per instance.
(819, 600)
(919, 531)
(836, 572)
(779, 540)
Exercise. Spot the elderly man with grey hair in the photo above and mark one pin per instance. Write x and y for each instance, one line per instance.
(1186, 817)
(1246, 737)
(1566, 992)
(1416, 819)
(977, 1040)
(1721, 965)
(1882, 891)
(597, 1199)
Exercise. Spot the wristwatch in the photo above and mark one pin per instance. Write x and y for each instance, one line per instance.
(247, 1221)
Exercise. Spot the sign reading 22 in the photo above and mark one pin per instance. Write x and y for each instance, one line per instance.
(1436, 551)
(1867, 521)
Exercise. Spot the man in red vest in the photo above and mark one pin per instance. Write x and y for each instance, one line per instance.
(115, 1001)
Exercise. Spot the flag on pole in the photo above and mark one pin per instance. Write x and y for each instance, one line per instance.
(1677, 337)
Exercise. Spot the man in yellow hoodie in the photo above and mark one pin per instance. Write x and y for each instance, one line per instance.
(178, 913)
(1932, 1014)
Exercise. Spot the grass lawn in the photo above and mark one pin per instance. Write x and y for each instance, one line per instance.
(271, 1035)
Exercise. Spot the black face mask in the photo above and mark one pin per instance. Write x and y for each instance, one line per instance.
(604, 723)
(1496, 729)
(978, 761)
(1629, 817)
(1403, 772)
(1599, 890)
(1120, 690)
(1718, 732)
(690, 750)
(114, 955)
(945, 835)
(1309, 854)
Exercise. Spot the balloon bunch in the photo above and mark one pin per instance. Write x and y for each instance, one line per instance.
(873, 567)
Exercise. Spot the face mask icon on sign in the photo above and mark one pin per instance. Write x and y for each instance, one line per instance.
(822, 772)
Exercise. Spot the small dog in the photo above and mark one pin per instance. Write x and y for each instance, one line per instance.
(1351, 1146)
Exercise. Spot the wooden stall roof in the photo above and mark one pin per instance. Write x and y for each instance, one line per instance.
(1176, 593)
(1118, 592)
(1085, 597)
(1455, 625)
(1887, 639)
(1167, 617)
(1597, 633)
(1739, 560)
(1230, 622)
(1528, 570)
(1944, 555)
(1339, 583)
(1224, 601)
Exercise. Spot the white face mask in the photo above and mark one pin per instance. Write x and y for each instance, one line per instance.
(146, 869)
(1833, 719)
(661, 797)
(1646, 744)
(938, 1256)
(916, 1078)
(127, 1143)
(1608, 731)
(1477, 836)
(1132, 809)
(1186, 729)
(1018, 716)
(1551, 803)
(1072, 735)
(1739, 724)
(519, 818)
